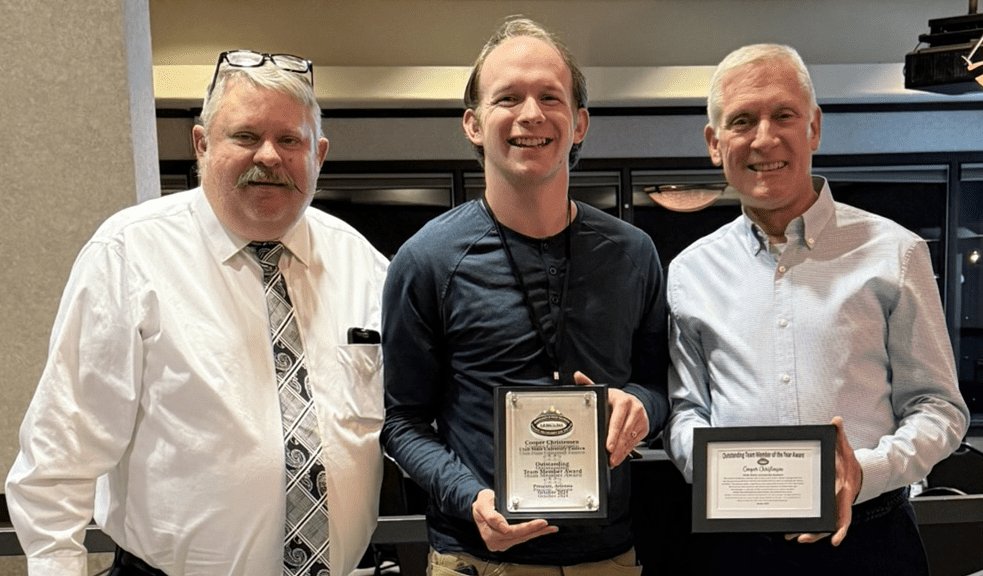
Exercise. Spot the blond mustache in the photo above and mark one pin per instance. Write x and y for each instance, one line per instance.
(259, 174)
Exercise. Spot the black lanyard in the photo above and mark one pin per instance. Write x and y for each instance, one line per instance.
(551, 351)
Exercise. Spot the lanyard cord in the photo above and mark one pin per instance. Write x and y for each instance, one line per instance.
(551, 351)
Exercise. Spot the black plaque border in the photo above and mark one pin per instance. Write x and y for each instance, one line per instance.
(825, 522)
(501, 394)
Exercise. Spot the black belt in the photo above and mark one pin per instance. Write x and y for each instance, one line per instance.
(126, 564)
(880, 506)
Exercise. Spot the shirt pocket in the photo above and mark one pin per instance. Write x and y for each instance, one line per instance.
(362, 367)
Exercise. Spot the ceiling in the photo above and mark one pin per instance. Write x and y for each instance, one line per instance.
(601, 33)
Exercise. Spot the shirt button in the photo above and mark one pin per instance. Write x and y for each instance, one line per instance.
(783, 322)
(811, 241)
(546, 246)
(555, 299)
(553, 270)
(786, 378)
(782, 269)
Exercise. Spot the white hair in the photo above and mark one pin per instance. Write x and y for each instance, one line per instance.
(267, 76)
(751, 54)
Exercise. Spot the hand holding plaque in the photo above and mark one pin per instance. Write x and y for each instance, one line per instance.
(849, 479)
(550, 460)
(628, 422)
(496, 531)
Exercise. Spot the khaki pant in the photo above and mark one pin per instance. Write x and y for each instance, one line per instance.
(451, 565)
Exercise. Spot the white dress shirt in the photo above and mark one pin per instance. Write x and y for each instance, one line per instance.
(157, 411)
(845, 321)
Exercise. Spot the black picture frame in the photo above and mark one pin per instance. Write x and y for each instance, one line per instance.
(594, 456)
(757, 442)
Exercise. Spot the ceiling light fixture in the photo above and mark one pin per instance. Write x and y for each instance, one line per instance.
(685, 197)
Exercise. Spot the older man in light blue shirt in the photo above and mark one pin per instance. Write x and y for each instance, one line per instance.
(806, 311)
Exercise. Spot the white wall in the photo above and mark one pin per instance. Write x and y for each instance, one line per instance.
(79, 142)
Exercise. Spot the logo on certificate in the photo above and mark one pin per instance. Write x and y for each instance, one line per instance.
(551, 423)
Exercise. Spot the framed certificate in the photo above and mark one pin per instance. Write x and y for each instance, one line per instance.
(550, 460)
(764, 479)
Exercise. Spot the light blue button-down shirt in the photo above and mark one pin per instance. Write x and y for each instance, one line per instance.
(845, 320)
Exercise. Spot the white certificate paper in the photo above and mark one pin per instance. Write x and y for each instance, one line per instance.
(776, 479)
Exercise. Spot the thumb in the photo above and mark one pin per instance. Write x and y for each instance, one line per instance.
(581, 378)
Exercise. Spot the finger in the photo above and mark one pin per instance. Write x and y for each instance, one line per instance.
(625, 443)
(846, 489)
(627, 427)
(529, 528)
(843, 518)
(496, 522)
(626, 439)
(811, 538)
(616, 458)
(841, 441)
(617, 422)
(517, 534)
(839, 535)
(847, 483)
(581, 378)
(495, 530)
(500, 544)
(619, 441)
(522, 529)
(485, 515)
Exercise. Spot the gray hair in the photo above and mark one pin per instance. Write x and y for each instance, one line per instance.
(516, 27)
(267, 76)
(751, 54)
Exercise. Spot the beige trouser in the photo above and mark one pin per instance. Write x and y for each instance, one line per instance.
(450, 565)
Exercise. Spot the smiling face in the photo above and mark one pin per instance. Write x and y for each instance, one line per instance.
(259, 160)
(526, 121)
(766, 138)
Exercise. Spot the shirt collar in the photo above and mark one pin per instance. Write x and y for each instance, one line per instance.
(804, 230)
(297, 241)
(225, 243)
(819, 214)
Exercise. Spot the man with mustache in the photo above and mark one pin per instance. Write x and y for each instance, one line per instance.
(525, 287)
(201, 399)
(807, 311)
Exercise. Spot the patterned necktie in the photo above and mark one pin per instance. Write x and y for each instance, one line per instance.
(305, 549)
